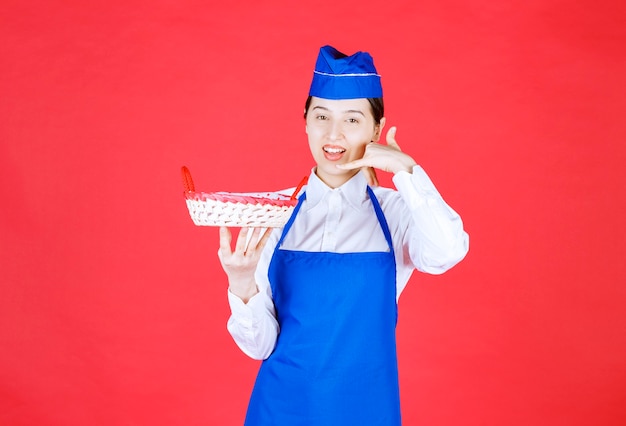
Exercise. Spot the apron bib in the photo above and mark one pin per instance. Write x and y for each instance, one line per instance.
(335, 358)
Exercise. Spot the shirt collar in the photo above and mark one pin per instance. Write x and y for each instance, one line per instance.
(353, 191)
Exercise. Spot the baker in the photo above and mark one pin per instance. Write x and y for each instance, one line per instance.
(317, 299)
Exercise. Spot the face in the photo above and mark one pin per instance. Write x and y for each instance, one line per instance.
(338, 131)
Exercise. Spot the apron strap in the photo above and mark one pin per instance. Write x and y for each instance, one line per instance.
(291, 219)
(381, 217)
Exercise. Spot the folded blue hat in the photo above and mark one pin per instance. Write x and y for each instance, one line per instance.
(338, 76)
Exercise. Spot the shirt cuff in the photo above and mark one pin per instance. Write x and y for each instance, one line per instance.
(247, 312)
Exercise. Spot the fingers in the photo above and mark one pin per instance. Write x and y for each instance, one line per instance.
(356, 164)
(254, 241)
(264, 239)
(242, 240)
(225, 239)
(256, 244)
(248, 240)
(379, 156)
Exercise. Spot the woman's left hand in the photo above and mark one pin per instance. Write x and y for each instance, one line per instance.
(388, 158)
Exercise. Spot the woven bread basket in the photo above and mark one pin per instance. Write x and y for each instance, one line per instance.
(252, 209)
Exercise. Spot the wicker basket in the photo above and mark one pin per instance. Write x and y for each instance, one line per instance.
(266, 210)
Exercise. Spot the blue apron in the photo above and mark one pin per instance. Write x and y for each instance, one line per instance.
(335, 358)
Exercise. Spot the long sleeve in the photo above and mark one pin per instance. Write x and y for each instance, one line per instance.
(253, 326)
(433, 238)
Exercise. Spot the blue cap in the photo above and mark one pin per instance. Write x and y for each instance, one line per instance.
(338, 76)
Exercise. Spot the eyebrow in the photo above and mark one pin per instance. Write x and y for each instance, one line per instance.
(353, 111)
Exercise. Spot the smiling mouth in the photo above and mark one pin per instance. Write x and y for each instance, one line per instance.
(334, 150)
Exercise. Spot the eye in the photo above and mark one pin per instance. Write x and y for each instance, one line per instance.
(321, 117)
(353, 120)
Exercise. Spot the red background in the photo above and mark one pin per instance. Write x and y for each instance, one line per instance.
(113, 306)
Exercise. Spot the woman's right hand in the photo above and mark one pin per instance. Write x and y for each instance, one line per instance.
(240, 264)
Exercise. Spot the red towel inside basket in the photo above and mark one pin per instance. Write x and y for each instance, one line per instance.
(220, 208)
(270, 198)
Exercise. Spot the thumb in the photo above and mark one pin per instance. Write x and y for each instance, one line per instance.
(391, 138)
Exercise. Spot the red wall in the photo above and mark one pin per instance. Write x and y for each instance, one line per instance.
(112, 303)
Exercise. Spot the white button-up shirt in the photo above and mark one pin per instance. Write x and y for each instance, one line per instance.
(427, 235)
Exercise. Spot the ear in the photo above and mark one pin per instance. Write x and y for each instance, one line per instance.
(378, 130)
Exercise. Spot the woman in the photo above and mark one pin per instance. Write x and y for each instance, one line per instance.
(317, 300)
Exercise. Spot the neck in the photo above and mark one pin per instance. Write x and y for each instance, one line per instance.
(335, 181)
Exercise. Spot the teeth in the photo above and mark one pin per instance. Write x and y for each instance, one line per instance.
(333, 150)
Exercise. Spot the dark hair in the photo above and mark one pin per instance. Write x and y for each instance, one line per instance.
(377, 105)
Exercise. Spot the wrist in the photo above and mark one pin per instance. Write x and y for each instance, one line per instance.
(244, 291)
(405, 166)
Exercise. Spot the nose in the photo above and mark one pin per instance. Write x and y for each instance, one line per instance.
(335, 130)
